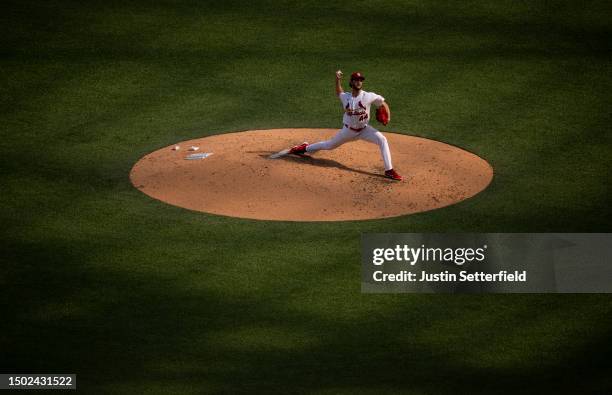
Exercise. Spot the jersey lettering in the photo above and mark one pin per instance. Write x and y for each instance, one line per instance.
(356, 109)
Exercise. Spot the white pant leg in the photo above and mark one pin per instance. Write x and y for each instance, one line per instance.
(344, 135)
(374, 136)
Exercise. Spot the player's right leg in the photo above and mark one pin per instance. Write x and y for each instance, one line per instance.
(374, 136)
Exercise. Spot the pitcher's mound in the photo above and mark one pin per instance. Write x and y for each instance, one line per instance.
(239, 179)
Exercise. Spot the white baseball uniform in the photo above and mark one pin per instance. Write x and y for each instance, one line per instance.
(355, 119)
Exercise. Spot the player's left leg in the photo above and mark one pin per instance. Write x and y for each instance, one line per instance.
(374, 136)
(342, 136)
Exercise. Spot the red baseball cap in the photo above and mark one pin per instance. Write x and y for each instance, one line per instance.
(357, 76)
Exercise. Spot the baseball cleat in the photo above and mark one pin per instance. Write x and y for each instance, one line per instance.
(392, 174)
(299, 149)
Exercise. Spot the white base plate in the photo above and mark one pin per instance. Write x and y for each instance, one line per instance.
(203, 155)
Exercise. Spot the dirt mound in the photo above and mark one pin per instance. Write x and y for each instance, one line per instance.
(239, 179)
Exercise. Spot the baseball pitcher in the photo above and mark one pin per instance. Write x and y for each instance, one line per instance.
(356, 119)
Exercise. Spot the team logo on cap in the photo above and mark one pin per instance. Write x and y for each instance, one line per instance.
(357, 76)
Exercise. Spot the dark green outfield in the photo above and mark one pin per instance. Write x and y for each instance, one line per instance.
(137, 296)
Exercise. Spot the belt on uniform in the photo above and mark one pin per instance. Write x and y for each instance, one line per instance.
(354, 129)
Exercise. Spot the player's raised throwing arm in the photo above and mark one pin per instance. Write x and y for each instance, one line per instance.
(339, 89)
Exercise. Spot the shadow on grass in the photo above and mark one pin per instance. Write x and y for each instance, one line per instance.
(124, 328)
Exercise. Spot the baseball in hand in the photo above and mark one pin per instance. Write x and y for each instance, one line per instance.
(339, 74)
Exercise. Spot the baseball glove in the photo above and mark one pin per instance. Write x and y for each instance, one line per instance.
(382, 115)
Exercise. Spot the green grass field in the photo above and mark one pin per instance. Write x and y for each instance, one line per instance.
(137, 296)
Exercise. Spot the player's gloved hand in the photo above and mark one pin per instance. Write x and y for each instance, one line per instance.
(382, 115)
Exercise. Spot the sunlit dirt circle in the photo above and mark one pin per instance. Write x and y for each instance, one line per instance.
(239, 179)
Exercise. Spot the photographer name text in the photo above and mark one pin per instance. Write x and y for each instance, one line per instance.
(446, 276)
